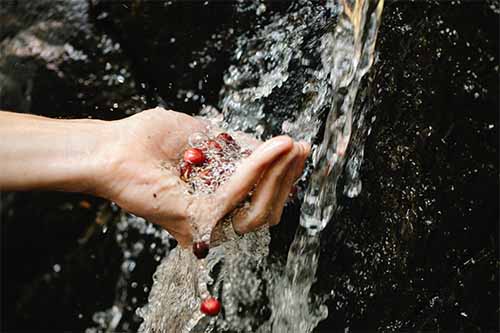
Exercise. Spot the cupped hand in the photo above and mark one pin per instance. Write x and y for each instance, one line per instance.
(144, 178)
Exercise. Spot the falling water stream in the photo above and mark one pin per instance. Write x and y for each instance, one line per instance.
(349, 52)
(350, 49)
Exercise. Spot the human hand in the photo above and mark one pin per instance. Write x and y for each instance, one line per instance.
(142, 176)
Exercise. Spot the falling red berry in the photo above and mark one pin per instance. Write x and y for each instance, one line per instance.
(200, 249)
(194, 156)
(210, 306)
(225, 137)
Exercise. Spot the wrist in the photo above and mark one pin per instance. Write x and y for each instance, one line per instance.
(95, 157)
(78, 160)
(110, 152)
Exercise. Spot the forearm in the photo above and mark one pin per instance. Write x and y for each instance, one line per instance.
(52, 154)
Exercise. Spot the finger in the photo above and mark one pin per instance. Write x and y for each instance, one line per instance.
(287, 184)
(248, 174)
(269, 185)
(265, 194)
(306, 151)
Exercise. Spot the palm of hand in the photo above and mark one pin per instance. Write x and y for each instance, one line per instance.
(146, 181)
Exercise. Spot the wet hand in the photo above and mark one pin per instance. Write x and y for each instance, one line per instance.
(143, 177)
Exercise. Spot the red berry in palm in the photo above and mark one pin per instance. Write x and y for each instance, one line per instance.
(225, 137)
(185, 170)
(200, 249)
(210, 306)
(214, 145)
(194, 156)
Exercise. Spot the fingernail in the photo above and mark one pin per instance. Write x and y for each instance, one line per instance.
(277, 143)
(307, 147)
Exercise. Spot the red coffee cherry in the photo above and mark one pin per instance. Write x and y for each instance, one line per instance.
(185, 170)
(210, 306)
(200, 249)
(214, 145)
(225, 137)
(194, 156)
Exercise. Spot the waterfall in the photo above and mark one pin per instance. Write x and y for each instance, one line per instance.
(348, 53)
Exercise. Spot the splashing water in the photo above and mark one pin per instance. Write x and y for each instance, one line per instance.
(128, 226)
(352, 47)
(279, 62)
(293, 309)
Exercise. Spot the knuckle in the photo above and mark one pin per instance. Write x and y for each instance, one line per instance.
(259, 218)
(240, 228)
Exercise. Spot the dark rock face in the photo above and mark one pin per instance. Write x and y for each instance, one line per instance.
(416, 250)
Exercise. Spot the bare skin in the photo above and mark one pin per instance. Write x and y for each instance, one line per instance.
(132, 162)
